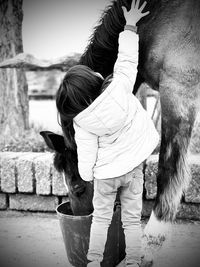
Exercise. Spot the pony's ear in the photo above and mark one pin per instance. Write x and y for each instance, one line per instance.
(54, 141)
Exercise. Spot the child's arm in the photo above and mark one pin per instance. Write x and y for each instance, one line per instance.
(87, 147)
(126, 65)
(125, 68)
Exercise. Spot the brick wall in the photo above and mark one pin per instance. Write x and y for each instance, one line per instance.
(29, 182)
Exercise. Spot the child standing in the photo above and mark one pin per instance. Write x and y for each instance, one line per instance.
(114, 135)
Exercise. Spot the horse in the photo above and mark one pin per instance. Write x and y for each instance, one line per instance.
(169, 62)
(80, 193)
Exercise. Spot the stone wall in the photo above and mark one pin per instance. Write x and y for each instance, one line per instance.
(29, 182)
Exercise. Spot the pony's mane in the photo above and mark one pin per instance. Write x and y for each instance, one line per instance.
(101, 52)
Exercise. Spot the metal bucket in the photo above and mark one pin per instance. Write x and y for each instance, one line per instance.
(76, 234)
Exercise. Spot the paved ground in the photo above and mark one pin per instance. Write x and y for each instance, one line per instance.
(34, 240)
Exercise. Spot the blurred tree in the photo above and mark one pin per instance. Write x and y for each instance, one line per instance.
(14, 106)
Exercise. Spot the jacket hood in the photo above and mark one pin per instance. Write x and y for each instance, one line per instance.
(108, 113)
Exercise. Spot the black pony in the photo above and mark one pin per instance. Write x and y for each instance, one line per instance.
(169, 61)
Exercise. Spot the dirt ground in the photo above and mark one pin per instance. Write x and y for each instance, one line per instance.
(35, 240)
(31, 240)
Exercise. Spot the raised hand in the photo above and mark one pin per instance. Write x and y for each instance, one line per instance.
(135, 13)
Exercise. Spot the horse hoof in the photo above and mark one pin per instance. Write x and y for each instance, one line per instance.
(155, 234)
(156, 231)
(146, 262)
(151, 246)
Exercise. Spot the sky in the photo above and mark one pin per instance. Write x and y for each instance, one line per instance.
(55, 28)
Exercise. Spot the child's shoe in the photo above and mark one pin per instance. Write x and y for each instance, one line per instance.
(94, 264)
(124, 264)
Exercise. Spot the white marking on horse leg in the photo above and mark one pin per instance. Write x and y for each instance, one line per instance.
(155, 234)
(156, 228)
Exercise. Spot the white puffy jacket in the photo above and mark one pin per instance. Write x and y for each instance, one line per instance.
(115, 134)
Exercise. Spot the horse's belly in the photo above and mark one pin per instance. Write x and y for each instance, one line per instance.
(182, 65)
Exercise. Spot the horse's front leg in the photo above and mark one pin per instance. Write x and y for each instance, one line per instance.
(178, 107)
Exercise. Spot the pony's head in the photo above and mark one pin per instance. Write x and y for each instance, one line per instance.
(65, 161)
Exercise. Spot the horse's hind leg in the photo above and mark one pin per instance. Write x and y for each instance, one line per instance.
(178, 107)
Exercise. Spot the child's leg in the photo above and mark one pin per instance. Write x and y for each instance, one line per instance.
(131, 206)
(103, 201)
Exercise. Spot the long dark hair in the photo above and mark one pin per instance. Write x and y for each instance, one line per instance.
(79, 88)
